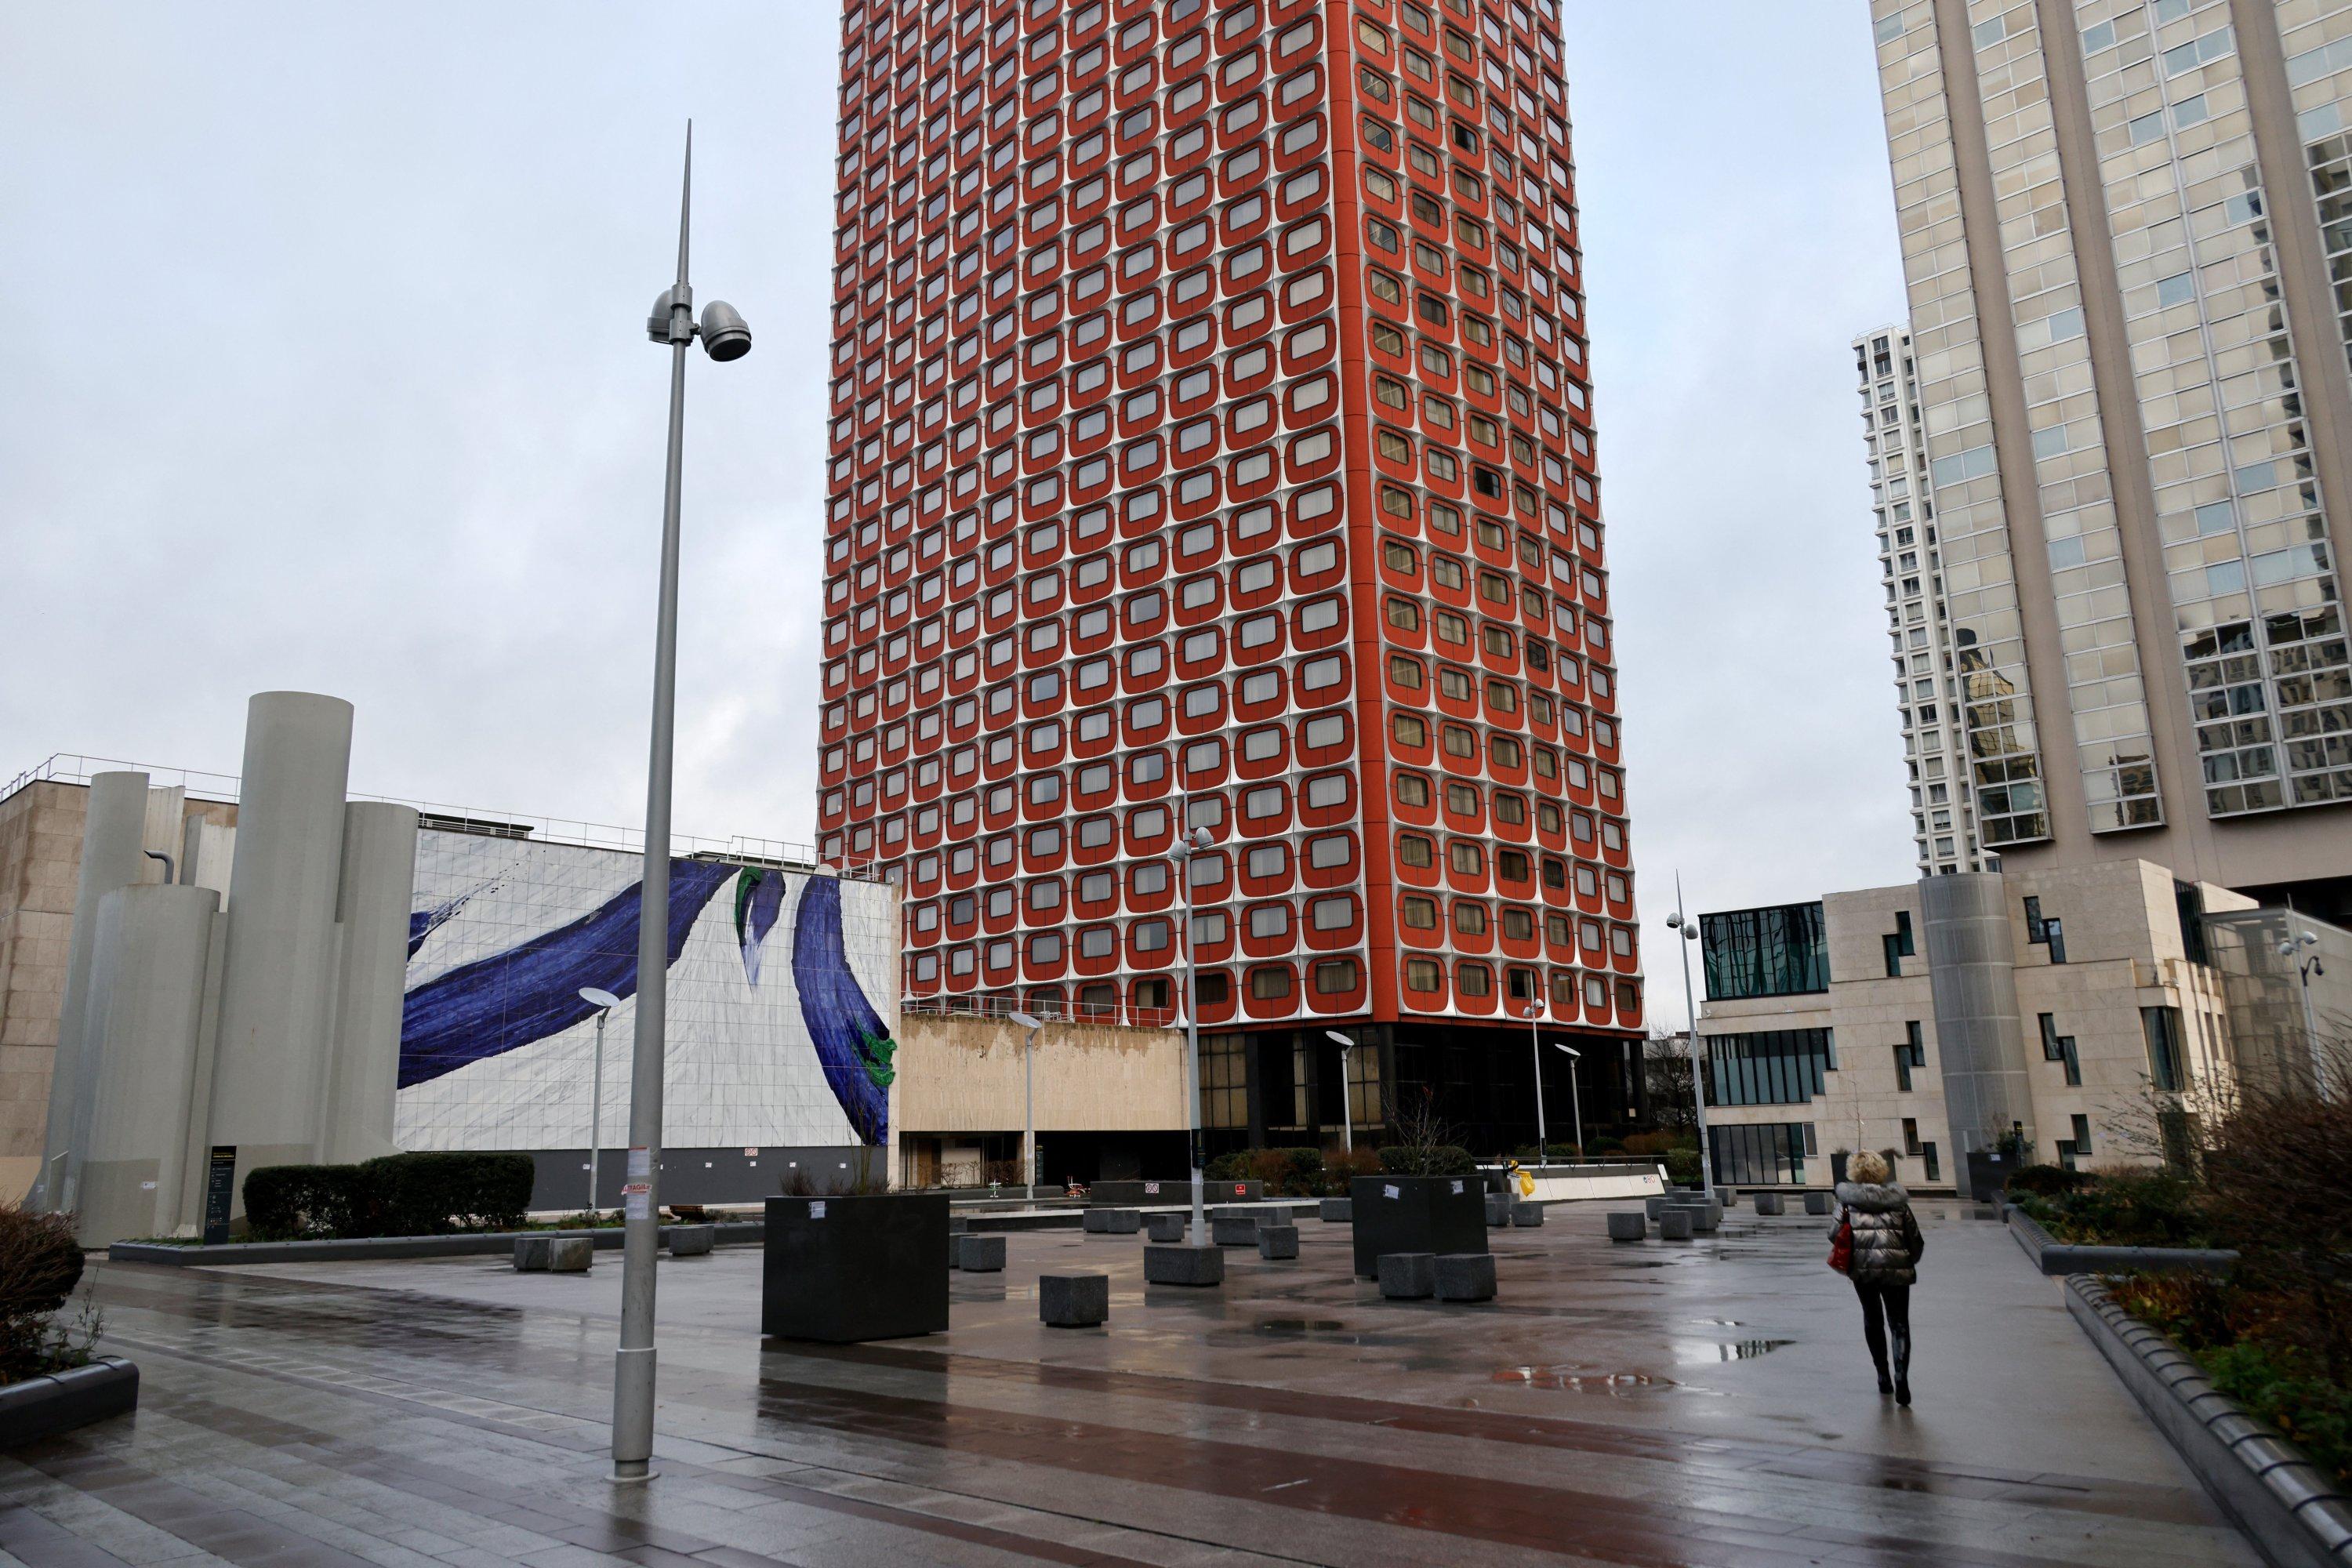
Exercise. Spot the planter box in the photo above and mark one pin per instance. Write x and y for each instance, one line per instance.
(479, 1242)
(2291, 1512)
(61, 1401)
(843, 1269)
(2060, 1257)
(1415, 1214)
(1988, 1171)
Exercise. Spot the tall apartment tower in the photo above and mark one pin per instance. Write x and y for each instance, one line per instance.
(1918, 631)
(2122, 221)
(1212, 447)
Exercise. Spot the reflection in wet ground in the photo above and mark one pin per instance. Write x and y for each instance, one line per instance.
(1700, 1352)
(1584, 1380)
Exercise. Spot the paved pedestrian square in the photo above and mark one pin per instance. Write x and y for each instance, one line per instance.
(1691, 1402)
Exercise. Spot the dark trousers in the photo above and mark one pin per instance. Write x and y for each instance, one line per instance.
(1886, 1305)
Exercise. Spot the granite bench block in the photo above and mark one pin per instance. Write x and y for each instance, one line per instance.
(1673, 1225)
(1196, 1266)
(980, 1254)
(1165, 1227)
(1095, 1222)
(531, 1253)
(569, 1254)
(1653, 1207)
(1408, 1276)
(691, 1240)
(1627, 1225)
(1817, 1203)
(1073, 1301)
(1499, 1211)
(1278, 1241)
(1122, 1222)
(1526, 1216)
(1234, 1231)
(1465, 1277)
(1335, 1211)
(1767, 1203)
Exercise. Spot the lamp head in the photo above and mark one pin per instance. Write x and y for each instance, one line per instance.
(724, 334)
(1571, 1050)
(1674, 922)
(1024, 1020)
(603, 1001)
(1336, 1038)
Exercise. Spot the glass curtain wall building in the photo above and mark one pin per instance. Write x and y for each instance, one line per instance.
(2120, 225)
(1919, 633)
(1212, 447)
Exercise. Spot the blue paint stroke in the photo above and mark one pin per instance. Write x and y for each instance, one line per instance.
(853, 1044)
(529, 993)
(759, 899)
(423, 923)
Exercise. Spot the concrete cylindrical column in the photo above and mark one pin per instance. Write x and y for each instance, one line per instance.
(147, 1003)
(279, 972)
(379, 882)
(1980, 1034)
(111, 839)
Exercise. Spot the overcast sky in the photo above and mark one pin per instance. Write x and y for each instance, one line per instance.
(325, 369)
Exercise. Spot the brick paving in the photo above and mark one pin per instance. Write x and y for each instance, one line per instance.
(1702, 1404)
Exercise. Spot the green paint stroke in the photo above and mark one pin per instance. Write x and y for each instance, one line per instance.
(873, 1053)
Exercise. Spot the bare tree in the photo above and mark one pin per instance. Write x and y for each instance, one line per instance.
(1666, 1076)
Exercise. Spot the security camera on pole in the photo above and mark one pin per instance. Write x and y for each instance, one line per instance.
(724, 337)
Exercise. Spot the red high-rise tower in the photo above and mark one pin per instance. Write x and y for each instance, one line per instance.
(1211, 435)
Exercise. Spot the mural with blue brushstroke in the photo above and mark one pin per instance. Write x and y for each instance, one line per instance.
(497, 1043)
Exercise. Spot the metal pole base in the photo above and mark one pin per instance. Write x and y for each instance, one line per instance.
(632, 1472)
(633, 1414)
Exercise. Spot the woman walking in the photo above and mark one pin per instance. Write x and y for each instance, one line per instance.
(1884, 1263)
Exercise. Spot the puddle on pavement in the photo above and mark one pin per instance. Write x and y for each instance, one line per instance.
(1708, 1353)
(1573, 1379)
(1300, 1326)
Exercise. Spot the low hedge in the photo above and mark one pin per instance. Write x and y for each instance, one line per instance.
(427, 1193)
(1446, 1160)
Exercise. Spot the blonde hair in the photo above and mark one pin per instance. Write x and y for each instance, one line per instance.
(1868, 1169)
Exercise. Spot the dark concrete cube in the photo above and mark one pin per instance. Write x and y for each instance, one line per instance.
(1817, 1203)
(1122, 1222)
(1278, 1241)
(1465, 1276)
(1703, 1217)
(1166, 1227)
(1673, 1225)
(980, 1254)
(1653, 1207)
(958, 1223)
(1334, 1211)
(1073, 1301)
(1526, 1216)
(1727, 1198)
(842, 1269)
(1415, 1214)
(1767, 1203)
(1499, 1211)
(1627, 1225)
(1234, 1230)
(1408, 1276)
(1196, 1266)
(570, 1255)
(1095, 1222)
(530, 1254)
(691, 1240)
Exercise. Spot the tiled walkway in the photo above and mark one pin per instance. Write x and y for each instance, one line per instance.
(1653, 1404)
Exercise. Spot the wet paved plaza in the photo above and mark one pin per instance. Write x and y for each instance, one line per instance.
(1704, 1403)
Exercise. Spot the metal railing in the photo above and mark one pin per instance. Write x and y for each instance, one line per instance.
(72, 768)
(1048, 1009)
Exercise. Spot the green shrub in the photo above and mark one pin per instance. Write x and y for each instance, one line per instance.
(295, 1202)
(41, 1263)
(2132, 1207)
(1683, 1167)
(427, 1193)
(1444, 1160)
(2046, 1181)
(2288, 1389)
(1654, 1146)
(1233, 1167)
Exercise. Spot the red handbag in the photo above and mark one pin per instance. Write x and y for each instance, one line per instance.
(1841, 1243)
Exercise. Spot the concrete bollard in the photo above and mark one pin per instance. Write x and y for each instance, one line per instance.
(1233, 1231)
(1465, 1277)
(1673, 1225)
(1499, 1211)
(1653, 1207)
(1526, 1216)
(1627, 1225)
(980, 1254)
(1278, 1241)
(1817, 1203)
(1073, 1301)
(569, 1254)
(1165, 1227)
(1767, 1203)
(1408, 1276)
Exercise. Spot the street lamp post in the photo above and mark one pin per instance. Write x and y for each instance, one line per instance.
(1535, 1055)
(1575, 1092)
(604, 1002)
(1680, 923)
(724, 337)
(1191, 842)
(1347, 1090)
(1028, 1107)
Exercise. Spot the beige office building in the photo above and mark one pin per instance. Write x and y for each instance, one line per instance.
(2123, 224)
